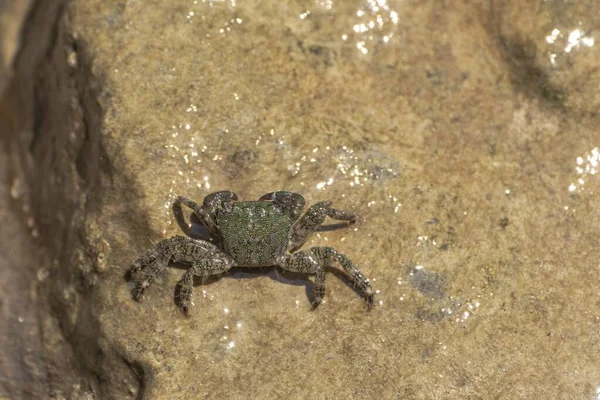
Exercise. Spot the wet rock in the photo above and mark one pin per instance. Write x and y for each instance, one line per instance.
(398, 114)
(430, 284)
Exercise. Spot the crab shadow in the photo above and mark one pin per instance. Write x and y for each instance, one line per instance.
(276, 273)
(198, 231)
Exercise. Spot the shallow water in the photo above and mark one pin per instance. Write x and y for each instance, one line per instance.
(465, 137)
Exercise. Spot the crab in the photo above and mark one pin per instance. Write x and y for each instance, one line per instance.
(266, 232)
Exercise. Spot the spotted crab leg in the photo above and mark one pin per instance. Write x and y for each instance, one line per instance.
(314, 261)
(178, 248)
(217, 263)
(204, 217)
(312, 220)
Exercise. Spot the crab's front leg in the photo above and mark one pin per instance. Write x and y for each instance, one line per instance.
(204, 216)
(222, 199)
(314, 260)
(177, 248)
(288, 202)
(313, 219)
(215, 263)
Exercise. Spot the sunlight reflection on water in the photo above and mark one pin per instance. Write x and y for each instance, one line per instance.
(565, 42)
(586, 166)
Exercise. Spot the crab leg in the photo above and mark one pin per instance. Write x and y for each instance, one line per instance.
(199, 211)
(310, 222)
(289, 202)
(315, 259)
(154, 261)
(218, 263)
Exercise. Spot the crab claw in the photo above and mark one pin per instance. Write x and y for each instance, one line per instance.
(139, 289)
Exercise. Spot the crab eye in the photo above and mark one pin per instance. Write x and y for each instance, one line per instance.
(267, 197)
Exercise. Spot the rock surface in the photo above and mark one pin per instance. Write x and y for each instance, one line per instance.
(51, 165)
(465, 136)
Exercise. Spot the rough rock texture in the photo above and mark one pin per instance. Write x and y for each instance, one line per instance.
(51, 163)
(12, 16)
(464, 134)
